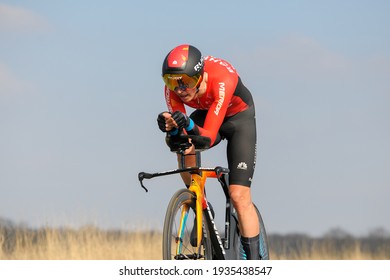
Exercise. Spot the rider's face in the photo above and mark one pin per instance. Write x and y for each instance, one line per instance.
(186, 95)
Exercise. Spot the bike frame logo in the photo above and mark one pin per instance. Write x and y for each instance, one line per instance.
(215, 230)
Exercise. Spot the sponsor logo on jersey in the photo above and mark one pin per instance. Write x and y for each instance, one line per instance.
(221, 98)
(221, 62)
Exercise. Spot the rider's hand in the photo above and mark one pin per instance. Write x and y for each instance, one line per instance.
(182, 121)
(161, 121)
(166, 122)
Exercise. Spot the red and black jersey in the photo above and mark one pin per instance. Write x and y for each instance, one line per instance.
(225, 96)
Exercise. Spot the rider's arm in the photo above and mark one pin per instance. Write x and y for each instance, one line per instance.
(223, 91)
(175, 105)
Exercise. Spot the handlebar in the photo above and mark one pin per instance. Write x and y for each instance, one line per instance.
(219, 171)
(179, 144)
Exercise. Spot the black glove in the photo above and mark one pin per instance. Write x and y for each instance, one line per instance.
(181, 119)
(161, 122)
(176, 143)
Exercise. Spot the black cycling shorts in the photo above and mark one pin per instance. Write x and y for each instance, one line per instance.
(240, 132)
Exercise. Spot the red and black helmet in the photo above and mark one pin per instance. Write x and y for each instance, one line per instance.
(183, 67)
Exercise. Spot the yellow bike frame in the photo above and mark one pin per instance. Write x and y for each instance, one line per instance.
(197, 186)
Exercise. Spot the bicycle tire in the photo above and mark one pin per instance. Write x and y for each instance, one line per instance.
(180, 248)
(264, 249)
(237, 253)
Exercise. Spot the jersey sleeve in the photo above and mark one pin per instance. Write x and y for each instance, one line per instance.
(173, 102)
(223, 89)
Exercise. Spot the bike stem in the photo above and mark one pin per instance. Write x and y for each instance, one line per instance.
(183, 156)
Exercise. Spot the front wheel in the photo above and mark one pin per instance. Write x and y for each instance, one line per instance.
(180, 219)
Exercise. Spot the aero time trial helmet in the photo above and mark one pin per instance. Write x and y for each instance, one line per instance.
(183, 68)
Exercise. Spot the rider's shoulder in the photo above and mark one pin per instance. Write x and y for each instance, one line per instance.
(218, 64)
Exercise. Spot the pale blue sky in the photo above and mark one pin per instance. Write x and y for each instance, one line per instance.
(80, 89)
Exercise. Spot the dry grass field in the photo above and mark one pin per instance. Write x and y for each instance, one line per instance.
(90, 243)
(86, 243)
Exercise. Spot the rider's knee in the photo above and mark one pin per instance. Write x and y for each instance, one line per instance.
(240, 196)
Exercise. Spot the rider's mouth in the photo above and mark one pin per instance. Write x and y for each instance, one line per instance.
(184, 96)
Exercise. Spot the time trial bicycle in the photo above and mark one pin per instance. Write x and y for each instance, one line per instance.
(190, 231)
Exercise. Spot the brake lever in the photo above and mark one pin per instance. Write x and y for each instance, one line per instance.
(141, 177)
(219, 171)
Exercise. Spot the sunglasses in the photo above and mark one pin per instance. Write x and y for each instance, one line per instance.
(181, 81)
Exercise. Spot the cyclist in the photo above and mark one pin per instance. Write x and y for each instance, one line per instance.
(224, 109)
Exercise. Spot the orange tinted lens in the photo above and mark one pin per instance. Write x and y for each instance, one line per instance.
(180, 81)
(171, 81)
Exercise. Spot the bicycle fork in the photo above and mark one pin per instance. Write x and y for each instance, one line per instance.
(197, 187)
